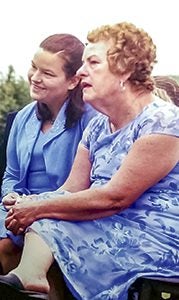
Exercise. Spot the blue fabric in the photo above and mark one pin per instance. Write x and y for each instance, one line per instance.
(38, 180)
(102, 258)
(58, 151)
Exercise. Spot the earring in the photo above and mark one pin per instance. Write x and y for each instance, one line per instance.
(122, 86)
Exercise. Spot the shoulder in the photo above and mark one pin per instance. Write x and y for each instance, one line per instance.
(97, 123)
(94, 129)
(160, 117)
(23, 115)
(167, 108)
(26, 111)
(166, 112)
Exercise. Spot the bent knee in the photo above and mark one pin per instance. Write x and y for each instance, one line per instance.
(7, 246)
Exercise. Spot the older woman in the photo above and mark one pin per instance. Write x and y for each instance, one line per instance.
(115, 218)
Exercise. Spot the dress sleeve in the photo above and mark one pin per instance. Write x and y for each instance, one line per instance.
(163, 120)
(86, 137)
(88, 114)
(92, 131)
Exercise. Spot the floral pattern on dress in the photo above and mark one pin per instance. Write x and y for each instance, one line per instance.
(100, 259)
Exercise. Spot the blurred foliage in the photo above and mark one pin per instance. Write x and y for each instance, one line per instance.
(14, 94)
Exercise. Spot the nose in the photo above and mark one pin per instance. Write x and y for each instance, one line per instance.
(82, 71)
(36, 76)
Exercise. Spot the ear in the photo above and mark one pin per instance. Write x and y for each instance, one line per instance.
(73, 82)
(124, 77)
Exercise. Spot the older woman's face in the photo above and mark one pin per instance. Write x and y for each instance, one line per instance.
(98, 83)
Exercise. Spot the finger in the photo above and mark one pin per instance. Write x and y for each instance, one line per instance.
(11, 211)
(15, 228)
(9, 201)
(8, 221)
(20, 230)
(8, 207)
(14, 195)
(12, 224)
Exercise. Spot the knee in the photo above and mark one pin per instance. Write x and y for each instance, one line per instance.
(7, 247)
(9, 256)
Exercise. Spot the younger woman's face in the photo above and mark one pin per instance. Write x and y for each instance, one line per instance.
(47, 79)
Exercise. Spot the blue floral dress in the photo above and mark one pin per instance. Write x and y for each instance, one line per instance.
(100, 259)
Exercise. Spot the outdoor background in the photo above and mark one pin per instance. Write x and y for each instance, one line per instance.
(25, 23)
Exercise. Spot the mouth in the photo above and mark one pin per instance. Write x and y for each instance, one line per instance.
(37, 87)
(85, 85)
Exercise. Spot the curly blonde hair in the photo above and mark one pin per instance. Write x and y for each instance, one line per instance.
(133, 52)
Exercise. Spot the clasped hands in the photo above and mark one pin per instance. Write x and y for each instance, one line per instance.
(20, 212)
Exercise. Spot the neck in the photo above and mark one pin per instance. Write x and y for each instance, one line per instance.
(127, 110)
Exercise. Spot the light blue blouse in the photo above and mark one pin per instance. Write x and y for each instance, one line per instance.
(37, 179)
(58, 151)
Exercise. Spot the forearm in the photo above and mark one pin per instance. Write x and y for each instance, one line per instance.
(84, 205)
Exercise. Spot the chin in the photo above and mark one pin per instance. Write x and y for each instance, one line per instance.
(35, 96)
(87, 98)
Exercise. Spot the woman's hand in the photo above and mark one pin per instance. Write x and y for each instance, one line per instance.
(10, 199)
(20, 216)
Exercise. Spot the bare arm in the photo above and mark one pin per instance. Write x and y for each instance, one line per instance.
(150, 159)
(79, 177)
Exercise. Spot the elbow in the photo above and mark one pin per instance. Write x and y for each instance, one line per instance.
(118, 200)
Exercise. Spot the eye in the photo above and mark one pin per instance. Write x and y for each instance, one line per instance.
(94, 61)
(33, 67)
(49, 74)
